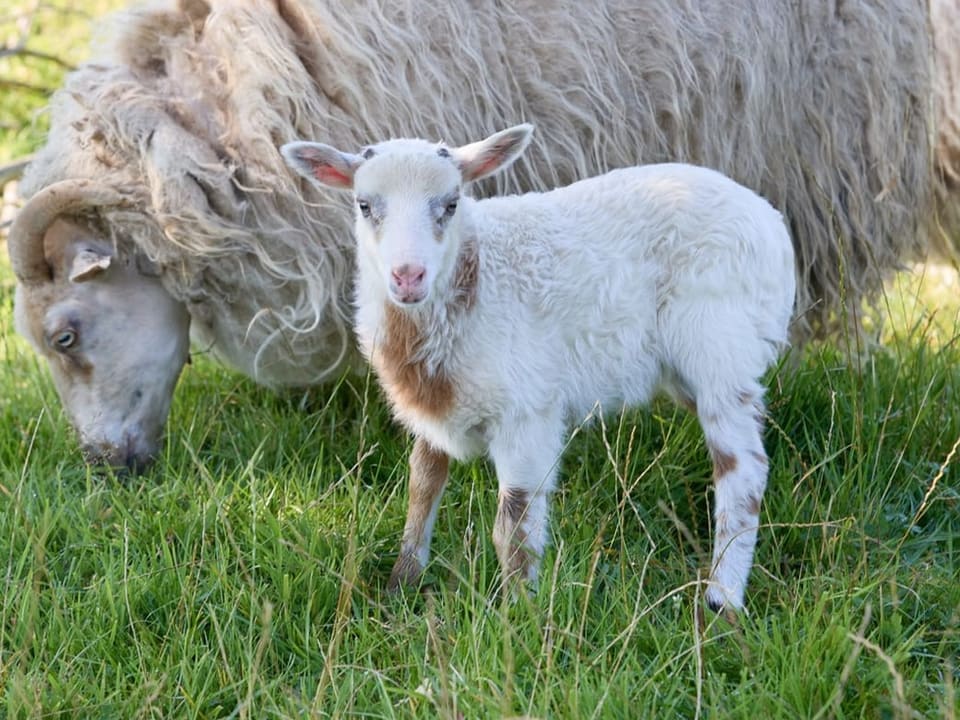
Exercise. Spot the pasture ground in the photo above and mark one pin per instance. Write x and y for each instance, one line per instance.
(245, 576)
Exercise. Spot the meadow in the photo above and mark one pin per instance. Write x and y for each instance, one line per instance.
(245, 575)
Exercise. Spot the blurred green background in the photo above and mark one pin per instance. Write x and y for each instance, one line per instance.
(41, 41)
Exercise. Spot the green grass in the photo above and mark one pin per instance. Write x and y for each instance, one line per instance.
(245, 575)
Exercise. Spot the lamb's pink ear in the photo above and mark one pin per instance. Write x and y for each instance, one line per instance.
(322, 164)
(479, 159)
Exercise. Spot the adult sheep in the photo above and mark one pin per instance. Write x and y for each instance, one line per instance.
(161, 175)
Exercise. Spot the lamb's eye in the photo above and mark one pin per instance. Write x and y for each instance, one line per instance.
(364, 208)
(450, 209)
(65, 339)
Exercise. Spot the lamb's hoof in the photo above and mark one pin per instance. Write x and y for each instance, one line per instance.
(717, 606)
(518, 585)
(720, 604)
(407, 572)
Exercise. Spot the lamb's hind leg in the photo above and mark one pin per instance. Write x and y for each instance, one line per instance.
(429, 470)
(733, 428)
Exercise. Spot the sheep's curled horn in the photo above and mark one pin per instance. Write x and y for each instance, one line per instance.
(25, 242)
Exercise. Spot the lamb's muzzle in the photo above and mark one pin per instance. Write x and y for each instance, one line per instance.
(684, 281)
(407, 283)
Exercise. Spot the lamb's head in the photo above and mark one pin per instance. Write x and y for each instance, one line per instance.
(114, 338)
(407, 194)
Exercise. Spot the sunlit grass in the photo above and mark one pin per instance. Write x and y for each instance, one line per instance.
(928, 295)
(245, 575)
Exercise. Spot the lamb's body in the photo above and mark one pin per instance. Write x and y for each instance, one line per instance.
(593, 294)
(493, 325)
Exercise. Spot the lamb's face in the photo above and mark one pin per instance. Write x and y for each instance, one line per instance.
(407, 195)
(115, 341)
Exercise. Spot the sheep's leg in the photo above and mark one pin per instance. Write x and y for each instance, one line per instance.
(429, 470)
(526, 464)
(733, 428)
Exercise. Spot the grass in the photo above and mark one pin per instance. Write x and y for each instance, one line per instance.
(245, 575)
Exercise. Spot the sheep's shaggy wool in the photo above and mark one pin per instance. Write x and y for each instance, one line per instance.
(826, 109)
(945, 21)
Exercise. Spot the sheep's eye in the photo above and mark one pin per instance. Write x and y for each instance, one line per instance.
(364, 208)
(450, 209)
(65, 339)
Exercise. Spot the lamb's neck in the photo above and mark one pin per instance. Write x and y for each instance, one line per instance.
(428, 334)
(414, 350)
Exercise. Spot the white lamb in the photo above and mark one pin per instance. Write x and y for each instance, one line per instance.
(493, 325)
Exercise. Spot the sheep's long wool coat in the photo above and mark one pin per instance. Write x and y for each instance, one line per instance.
(824, 109)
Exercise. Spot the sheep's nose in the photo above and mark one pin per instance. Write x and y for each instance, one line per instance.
(408, 282)
(123, 461)
(132, 455)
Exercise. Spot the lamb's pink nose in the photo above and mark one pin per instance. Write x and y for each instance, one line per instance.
(408, 282)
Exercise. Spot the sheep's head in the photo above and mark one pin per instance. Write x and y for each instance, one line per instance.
(114, 338)
(407, 194)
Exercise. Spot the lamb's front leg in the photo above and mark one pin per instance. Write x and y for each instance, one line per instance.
(526, 463)
(429, 470)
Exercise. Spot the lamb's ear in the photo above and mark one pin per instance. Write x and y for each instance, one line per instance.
(479, 159)
(322, 164)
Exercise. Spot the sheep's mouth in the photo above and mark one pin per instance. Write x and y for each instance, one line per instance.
(123, 460)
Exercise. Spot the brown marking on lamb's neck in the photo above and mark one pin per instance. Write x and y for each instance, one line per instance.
(404, 373)
(401, 366)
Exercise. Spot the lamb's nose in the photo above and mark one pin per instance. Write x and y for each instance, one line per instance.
(408, 276)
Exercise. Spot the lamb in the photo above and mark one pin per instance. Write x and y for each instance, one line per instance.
(492, 325)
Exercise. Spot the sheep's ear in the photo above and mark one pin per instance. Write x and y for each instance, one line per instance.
(322, 164)
(88, 263)
(479, 159)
